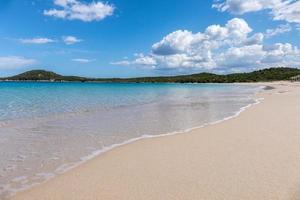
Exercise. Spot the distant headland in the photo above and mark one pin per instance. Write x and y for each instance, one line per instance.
(264, 75)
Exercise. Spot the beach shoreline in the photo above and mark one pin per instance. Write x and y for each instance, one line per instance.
(106, 187)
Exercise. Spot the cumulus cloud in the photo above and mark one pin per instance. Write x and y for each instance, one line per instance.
(76, 10)
(144, 60)
(255, 39)
(14, 62)
(234, 32)
(287, 10)
(283, 28)
(36, 41)
(175, 42)
(69, 40)
(231, 46)
(82, 60)
(284, 53)
(257, 55)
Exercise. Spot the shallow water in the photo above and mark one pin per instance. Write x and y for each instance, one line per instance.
(45, 128)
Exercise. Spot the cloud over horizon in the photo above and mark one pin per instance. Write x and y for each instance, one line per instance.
(233, 46)
(14, 62)
(215, 36)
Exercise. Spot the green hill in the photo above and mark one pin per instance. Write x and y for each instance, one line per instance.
(265, 75)
(42, 75)
(36, 75)
(271, 74)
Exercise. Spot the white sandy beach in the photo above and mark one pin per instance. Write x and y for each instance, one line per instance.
(253, 156)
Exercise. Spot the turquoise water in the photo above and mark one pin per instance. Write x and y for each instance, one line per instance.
(45, 128)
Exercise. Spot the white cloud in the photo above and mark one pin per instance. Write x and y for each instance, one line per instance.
(176, 42)
(241, 56)
(76, 10)
(82, 60)
(183, 41)
(56, 13)
(64, 3)
(121, 63)
(242, 6)
(286, 10)
(233, 46)
(253, 57)
(145, 60)
(36, 41)
(195, 50)
(258, 56)
(284, 53)
(255, 39)
(140, 59)
(71, 40)
(283, 28)
(13, 62)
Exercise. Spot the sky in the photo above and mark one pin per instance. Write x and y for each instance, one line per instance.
(129, 38)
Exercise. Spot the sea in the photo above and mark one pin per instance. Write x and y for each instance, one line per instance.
(49, 128)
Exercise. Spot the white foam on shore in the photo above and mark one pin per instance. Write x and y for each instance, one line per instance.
(66, 167)
(69, 166)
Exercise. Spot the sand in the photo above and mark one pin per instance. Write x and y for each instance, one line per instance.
(253, 156)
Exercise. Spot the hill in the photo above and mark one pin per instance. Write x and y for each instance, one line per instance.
(42, 75)
(265, 75)
(36, 75)
(271, 74)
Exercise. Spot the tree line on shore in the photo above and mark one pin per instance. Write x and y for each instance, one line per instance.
(270, 74)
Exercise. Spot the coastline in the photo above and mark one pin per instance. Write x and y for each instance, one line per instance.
(109, 187)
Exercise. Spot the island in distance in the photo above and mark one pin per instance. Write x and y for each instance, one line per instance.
(264, 75)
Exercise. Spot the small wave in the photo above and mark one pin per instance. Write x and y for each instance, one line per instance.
(44, 177)
(24, 184)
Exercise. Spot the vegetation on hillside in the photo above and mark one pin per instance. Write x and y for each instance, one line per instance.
(42, 75)
(271, 74)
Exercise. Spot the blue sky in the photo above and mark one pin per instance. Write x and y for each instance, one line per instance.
(126, 38)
